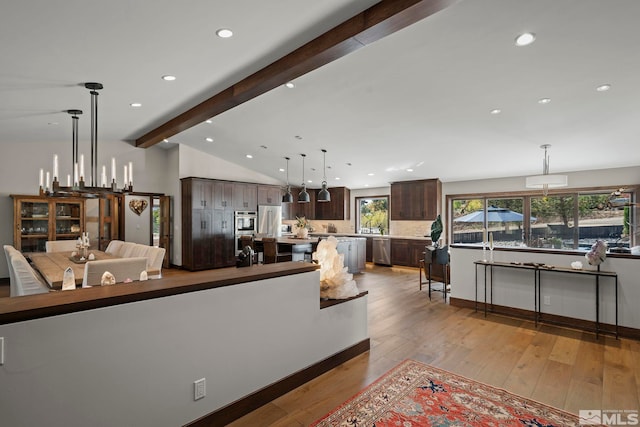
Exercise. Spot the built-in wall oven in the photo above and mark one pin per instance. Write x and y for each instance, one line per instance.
(246, 224)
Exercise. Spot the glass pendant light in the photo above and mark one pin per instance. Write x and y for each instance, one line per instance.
(303, 197)
(287, 197)
(323, 194)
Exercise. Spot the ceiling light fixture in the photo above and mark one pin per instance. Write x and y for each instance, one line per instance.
(287, 197)
(290, 85)
(496, 111)
(525, 39)
(323, 194)
(546, 181)
(209, 139)
(168, 78)
(77, 187)
(603, 88)
(135, 105)
(249, 156)
(224, 33)
(303, 197)
(544, 100)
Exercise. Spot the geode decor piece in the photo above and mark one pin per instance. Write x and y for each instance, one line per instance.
(335, 281)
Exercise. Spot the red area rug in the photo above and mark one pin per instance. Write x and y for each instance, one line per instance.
(415, 394)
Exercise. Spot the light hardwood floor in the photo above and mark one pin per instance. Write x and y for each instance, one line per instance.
(565, 368)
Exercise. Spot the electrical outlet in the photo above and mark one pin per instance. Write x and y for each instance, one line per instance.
(199, 389)
(547, 300)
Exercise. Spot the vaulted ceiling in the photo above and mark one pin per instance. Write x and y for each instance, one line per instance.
(419, 99)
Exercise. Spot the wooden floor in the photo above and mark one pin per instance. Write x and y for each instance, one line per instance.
(564, 368)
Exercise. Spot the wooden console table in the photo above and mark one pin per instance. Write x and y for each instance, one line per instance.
(537, 270)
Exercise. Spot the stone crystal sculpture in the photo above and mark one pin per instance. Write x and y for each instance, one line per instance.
(597, 254)
(335, 281)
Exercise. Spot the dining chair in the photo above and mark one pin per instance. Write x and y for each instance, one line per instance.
(123, 269)
(24, 279)
(60, 245)
(271, 253)
(114, 247)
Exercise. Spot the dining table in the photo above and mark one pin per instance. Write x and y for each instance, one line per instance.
(51, 265)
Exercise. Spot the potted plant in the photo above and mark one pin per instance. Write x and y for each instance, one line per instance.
(302, 226)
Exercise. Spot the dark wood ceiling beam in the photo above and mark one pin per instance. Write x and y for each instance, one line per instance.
(379, 21)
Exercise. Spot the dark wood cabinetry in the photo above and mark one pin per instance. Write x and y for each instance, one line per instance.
(245, 196)
(339, 206)
(296, 209)
(269, 195)
(207, 228)
(409, 252)
(416, 200)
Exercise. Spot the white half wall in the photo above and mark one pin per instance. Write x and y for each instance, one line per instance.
(135, 364)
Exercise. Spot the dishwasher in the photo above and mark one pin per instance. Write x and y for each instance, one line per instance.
(382, 250)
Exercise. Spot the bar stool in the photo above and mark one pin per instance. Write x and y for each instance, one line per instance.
(439, 256)
(271, 253)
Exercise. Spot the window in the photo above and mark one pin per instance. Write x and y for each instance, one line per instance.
(567, 221)
(373, 215)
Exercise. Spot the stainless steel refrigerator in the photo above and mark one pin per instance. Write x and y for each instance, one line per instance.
(269, 221)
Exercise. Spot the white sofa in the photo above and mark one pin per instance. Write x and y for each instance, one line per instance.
(154, 255)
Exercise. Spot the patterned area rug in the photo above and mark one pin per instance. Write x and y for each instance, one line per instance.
(415, 394)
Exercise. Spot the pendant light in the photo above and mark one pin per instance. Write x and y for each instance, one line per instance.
(546, 181)
(323, 194)
(287, 197)
(303, 197)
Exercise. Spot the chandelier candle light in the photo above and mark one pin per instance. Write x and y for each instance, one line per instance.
(77, 185)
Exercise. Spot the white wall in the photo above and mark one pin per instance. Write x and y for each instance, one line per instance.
(135, 364)
(570, 295)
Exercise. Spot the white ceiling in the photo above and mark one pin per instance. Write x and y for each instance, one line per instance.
(420, 98)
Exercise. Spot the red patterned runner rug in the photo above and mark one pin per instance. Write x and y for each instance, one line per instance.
(416, 394)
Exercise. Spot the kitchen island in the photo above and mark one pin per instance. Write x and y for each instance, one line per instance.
(128, 354)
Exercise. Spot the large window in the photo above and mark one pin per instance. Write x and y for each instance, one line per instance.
(568, 221)
(373, 215)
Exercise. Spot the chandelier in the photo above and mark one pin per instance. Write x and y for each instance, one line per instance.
(78, 183)
(546, 181)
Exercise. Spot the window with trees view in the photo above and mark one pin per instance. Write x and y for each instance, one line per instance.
(568, 221)
(373, 217)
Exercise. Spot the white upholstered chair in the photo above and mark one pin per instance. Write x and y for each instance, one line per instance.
(24, 279)
(126, 249)
(155, 258)
(113, 247)
(121, 268)
(60, 245)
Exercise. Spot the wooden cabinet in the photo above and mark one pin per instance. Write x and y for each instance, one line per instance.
(269, 195)
(245, 196)
(207, 233)
(222, 194)
(296, 209)
(339, 206)
(37, 219)
(407, 252)
(416, 200)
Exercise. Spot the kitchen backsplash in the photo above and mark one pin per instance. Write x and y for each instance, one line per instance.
(396, 228)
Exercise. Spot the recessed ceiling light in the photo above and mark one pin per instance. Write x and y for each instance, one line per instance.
(496, 111)
(544, 100)
(281, 170)
(371, 174)
(208, 121)
(337, 178)
(290, 85)
(136, 104)
(409, 170)
(165, 140)
(603, 88)
(366, 185)
(224, 33)
(249, 156)
(297, 137)
(525, 39)
(168, 78)
(209, 139)
(309, 181)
